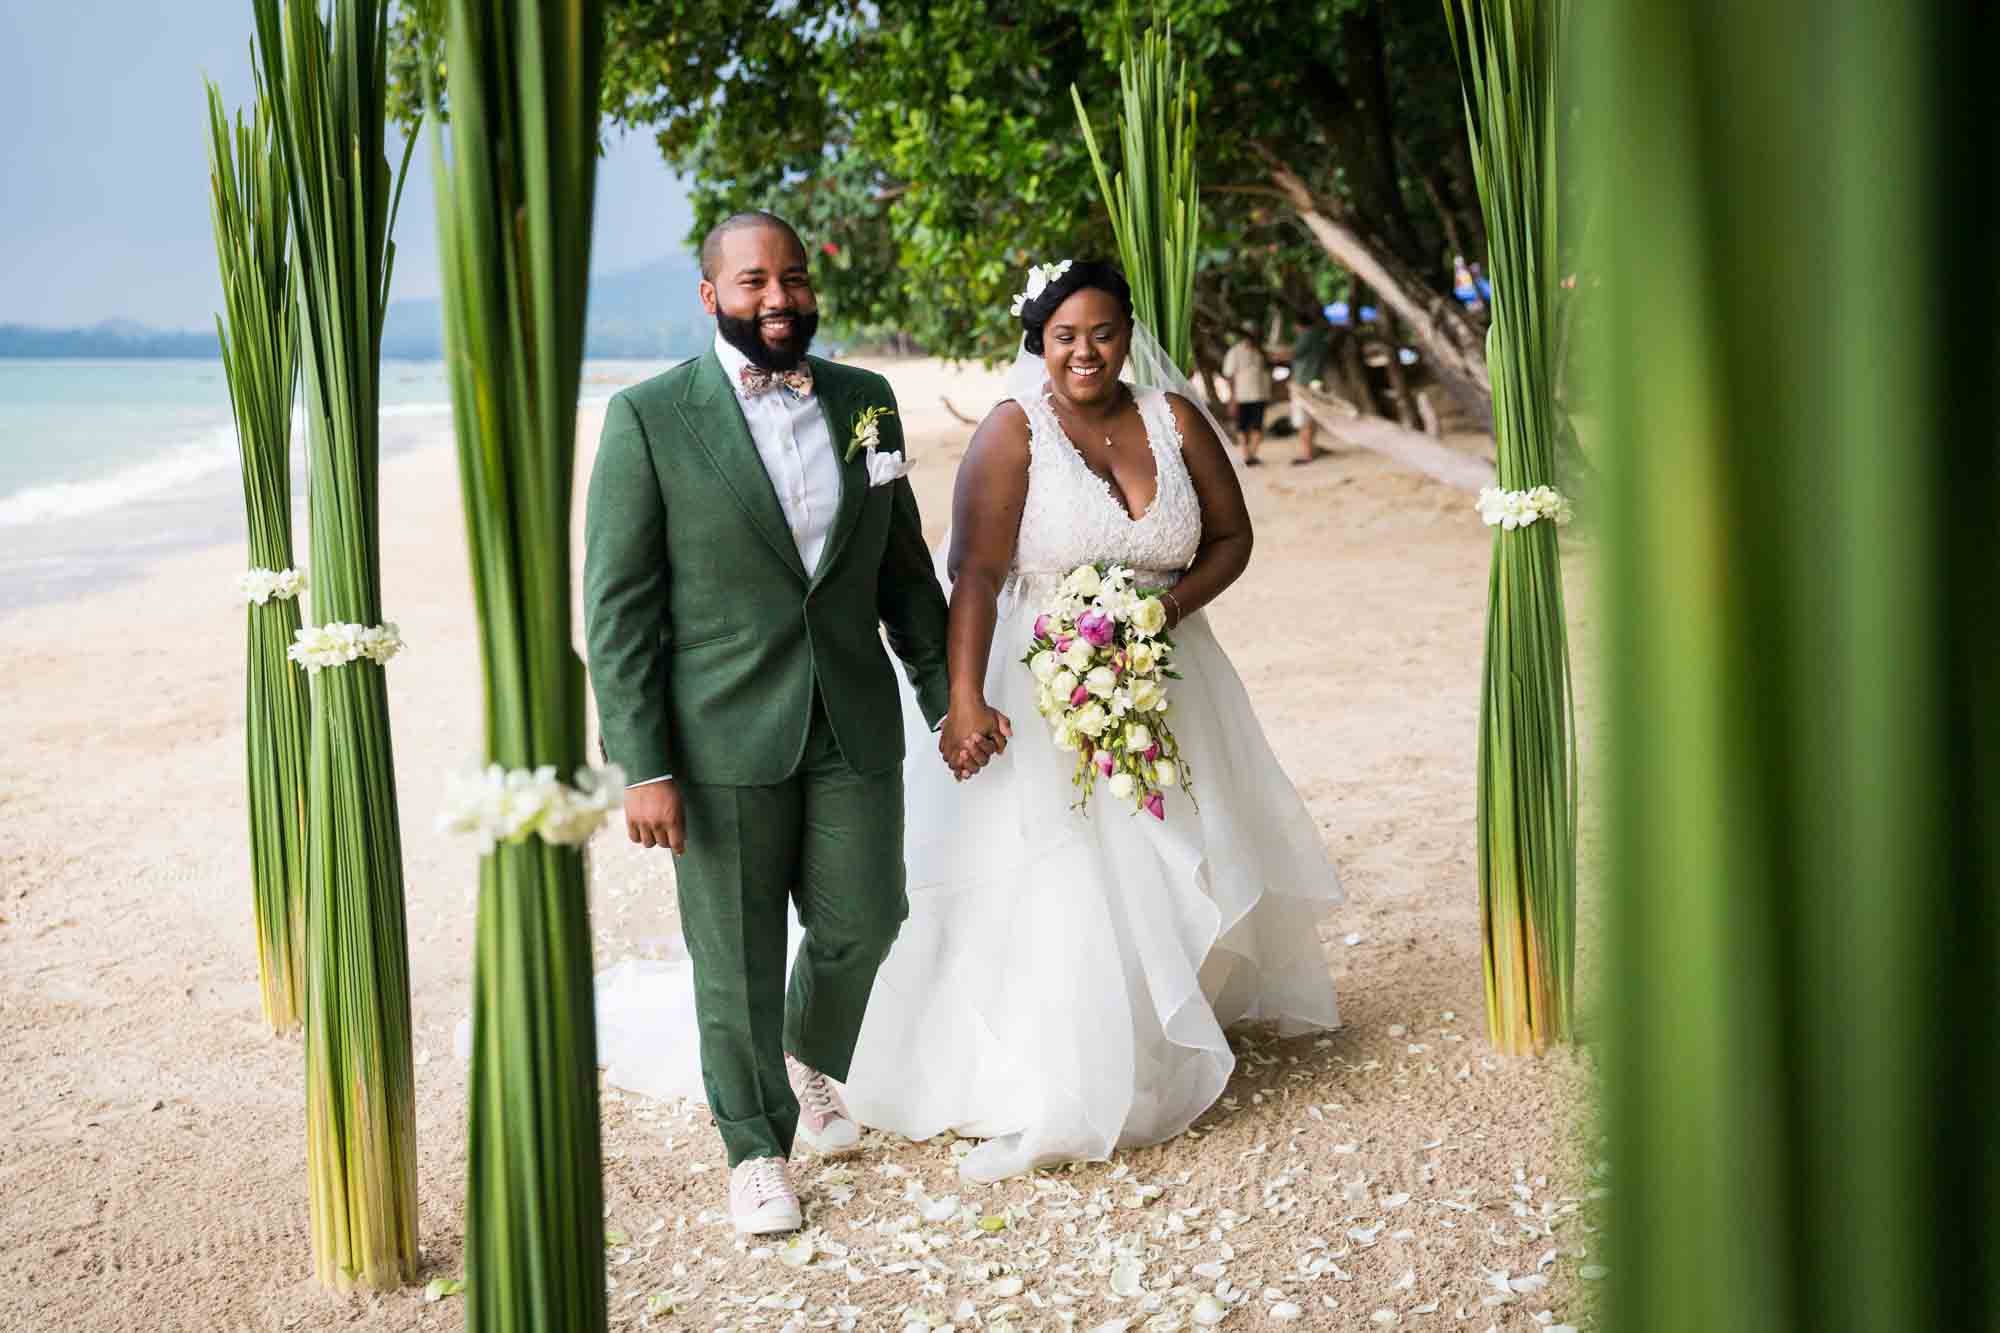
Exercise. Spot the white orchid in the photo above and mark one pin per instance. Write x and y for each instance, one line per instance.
(1039, 278)
(1510, 510)
(259, 586)
(505, 806)
(316, 647)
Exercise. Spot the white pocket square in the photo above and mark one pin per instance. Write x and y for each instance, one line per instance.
(885, 468)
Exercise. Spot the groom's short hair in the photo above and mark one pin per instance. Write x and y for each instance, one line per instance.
(711, 244)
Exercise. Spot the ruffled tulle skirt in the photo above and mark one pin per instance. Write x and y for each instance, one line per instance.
(1064, 979)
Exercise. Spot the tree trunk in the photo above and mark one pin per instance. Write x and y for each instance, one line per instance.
(1346, 354)
(1437, 325)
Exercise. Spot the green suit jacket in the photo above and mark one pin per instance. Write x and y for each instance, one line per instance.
(707, 633)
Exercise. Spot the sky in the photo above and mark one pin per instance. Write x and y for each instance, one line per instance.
(103, 142)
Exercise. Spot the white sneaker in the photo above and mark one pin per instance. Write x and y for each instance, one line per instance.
(824, 1123)
(761, 1199)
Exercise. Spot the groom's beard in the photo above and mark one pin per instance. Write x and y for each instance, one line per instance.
(746, 336)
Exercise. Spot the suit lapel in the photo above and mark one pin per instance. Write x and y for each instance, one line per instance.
(831, 386)
(715, 419)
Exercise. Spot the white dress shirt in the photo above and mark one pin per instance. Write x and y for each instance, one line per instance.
(793, 440)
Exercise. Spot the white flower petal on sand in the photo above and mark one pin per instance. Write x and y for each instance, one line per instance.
(796, 1252)
(1286, 1312)
(1128, 1278)
(1208, 1311)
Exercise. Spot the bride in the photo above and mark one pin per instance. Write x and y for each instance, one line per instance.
(1063, 982)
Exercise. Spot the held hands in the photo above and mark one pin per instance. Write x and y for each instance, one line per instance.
(653, 816)
(972, 734)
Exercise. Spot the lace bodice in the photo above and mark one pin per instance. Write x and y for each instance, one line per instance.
(1073, 516)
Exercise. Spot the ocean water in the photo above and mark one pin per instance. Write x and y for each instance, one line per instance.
(106, 465)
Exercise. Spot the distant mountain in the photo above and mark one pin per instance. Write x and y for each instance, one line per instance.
(646, 313)
(114, 338)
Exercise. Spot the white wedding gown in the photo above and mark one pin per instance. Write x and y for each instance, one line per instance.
(1063, 982)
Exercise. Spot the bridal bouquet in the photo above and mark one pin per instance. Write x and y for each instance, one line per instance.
(1101, 657)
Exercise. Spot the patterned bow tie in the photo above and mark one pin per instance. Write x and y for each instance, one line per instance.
(756, 380)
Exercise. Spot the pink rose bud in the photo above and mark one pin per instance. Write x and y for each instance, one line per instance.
(1078, 696)
(1153, 752)
(1105, 763)
(1042, 626)
(1096, 627)
(1156, 806)
(1062, 644)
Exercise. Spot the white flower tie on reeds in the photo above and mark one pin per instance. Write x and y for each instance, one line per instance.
(317, 647)
(258, 586)
(502, 805)
(258, 332)
(1520, 509)
(322, 66)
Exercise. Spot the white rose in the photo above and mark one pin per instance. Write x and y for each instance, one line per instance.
(1121, 786)
(1149, 617)
(1083, 581)
(1066, 737)
(1141, 657)
(1147, 696)
(1137, 738)
(1044, 665)
(1101, 682)
(1091, 719)
(1167, 773)
(1063, 685)
(1080, 654)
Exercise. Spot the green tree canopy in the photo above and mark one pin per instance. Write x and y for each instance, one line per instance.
(929, 151)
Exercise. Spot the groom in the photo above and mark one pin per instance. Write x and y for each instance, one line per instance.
(739, 562)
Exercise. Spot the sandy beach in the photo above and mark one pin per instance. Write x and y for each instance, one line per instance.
(152, 1169)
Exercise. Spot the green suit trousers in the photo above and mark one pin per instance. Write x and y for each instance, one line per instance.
(831, 841)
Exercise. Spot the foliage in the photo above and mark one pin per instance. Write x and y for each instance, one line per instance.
(934, 145)
(326, 82)
(259, 337)
(1803, 835)
(1155, 199)
(1510, 51)
(515, 181)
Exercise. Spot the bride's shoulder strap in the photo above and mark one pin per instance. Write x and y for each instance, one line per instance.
(1158, 404)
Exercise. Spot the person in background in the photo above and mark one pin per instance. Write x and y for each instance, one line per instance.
(1249, 374)
(1309, 352)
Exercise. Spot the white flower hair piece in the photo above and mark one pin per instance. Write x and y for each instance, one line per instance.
(259, 586)
(316, 647)
(500, 805)
(1039, 278)
(1519, 509)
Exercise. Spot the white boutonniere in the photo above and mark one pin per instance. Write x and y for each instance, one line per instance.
(867, 437)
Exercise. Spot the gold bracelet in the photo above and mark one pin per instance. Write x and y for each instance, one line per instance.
(1179, 615)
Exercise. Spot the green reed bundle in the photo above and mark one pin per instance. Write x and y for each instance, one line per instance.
(1155, 200)
(1508, 55)
(1797, 361)
(327, 84)
(516, 176)
(259, 334)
